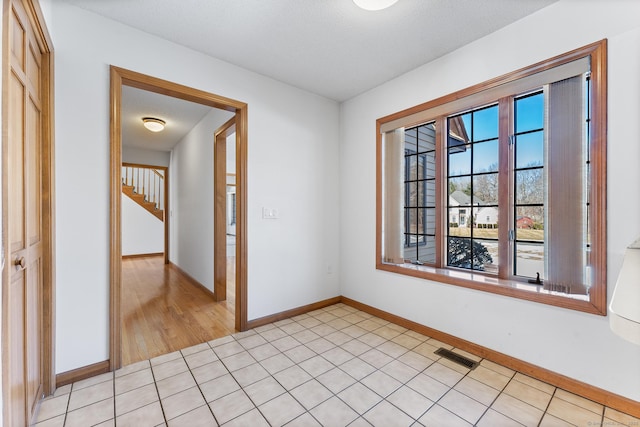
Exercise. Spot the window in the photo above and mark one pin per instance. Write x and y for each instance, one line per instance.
(501, 187)
(419, 199)
(472, 182)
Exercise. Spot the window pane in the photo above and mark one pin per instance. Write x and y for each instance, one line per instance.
(459, 252)
(485, 255)
(426, 137)
(430, 221)
(412, 224)
(411, 194)
(530, 150)
(485, 124)
(485, 156)
(529, 259)
(431, 164)
(529, 186)
(460, 160)
(458, 221)
(429, 192)
(529, 113)
(412, 173)
(410, 251)
(422, 160)
(486, 223)
(459, 130)
(530, 223)
(459, 190)
(410, 140)
(485, 189)
(420, 220)
(471, 254)
(423, 199)
(427, 250)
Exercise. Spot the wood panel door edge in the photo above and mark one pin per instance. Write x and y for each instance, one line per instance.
(43, 37)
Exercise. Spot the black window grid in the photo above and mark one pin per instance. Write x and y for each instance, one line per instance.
(472, 142)
(516, 204)
(423, 203)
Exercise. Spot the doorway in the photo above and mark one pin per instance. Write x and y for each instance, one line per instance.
(144, 191)
(225, 202)
(119, 78)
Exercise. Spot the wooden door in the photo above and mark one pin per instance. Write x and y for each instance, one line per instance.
(24, 287)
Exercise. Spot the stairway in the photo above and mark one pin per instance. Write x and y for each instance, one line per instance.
(144, 185)
(141, 199)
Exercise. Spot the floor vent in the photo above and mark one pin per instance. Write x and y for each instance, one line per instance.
(454, 357)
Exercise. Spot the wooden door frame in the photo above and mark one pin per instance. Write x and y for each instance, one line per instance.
(220, 208)
(36, 18)
(120, 77)
(165, 193)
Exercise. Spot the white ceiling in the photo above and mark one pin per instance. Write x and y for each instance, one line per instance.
(329, 47)
(181, 116)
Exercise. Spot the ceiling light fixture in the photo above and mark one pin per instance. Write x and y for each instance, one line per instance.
(374, 4)
(153, 124)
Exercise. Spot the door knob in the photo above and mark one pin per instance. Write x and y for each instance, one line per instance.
(20, 262)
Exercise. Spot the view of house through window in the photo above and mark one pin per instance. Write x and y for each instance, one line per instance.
(501, 183)
(472, 182)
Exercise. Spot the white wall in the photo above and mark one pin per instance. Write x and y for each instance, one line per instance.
(572, 343)
(142, 232)
(191, 199)
(145, 157)
(231, 153)
(2, 255)
(292, 166)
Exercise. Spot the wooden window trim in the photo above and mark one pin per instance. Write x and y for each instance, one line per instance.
(597, 297)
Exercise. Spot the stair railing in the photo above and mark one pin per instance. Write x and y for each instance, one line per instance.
(147, 181)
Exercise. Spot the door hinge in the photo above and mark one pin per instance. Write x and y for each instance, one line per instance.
(512, 235)
(512, 140)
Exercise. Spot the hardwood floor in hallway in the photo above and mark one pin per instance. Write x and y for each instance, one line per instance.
(163, 311)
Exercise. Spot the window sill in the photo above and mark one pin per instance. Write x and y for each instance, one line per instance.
(482, 282)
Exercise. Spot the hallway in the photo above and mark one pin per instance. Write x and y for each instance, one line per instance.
(163, 311)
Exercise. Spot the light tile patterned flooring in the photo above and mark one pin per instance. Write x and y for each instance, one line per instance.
(336, 366)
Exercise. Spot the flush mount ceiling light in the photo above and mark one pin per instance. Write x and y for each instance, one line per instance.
(153, 124)
(374, 4)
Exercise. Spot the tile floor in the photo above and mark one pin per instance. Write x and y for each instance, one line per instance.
(336, 366)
